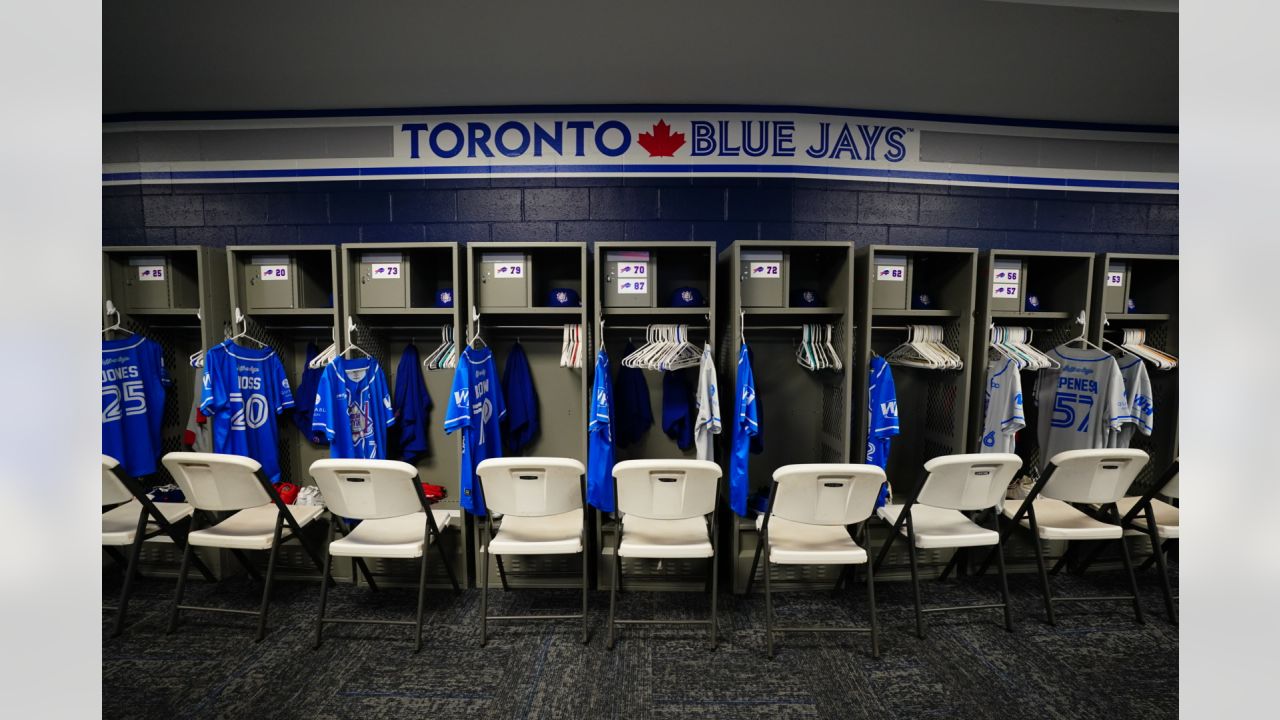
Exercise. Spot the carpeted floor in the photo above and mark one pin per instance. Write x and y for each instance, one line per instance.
(1096, 663)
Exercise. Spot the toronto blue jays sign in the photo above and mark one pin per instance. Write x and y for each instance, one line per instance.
(723, 141)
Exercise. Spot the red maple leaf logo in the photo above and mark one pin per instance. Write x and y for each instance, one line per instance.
(662, 142)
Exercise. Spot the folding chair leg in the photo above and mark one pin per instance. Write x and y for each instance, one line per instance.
(951, 565)
(246, 564)
(324, 592)
(120, 561)
(502, 573)
(182, 586)
(1146, 564)
(715, 586)
(1133, 580)
(448, 567)
(915, 587)
(586, 637)
(422, 596)
(871, 609)
(768, 610)
(364, 570)
(484, 594)
(614, 576)
(1044, 575)
(271, 573)
(755, 563)
(130, 570)
(1066, 556)
(1157, 555)
(1004, 581)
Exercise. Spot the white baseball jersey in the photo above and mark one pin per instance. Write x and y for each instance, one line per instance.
(1002, 407)
(1081, 403)
(1142, 409)
(708, 400)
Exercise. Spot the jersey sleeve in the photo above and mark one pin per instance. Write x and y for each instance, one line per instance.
(213, 390)
(708, 396)
(601, 400)
(1117, 406)
(384, 396)
(458, 413)
(1143, 406)
(280, 381)
(499, 400)
(1012, 416)
(322, 413)
(884, 405)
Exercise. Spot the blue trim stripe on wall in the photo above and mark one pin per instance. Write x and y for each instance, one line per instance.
(636, 108)
(412, 171)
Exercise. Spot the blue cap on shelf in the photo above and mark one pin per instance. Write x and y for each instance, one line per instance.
(1130, 305)
(1033, 303)
(563, 297)
(921, 301)
(804, 297)
(687, 297)
(444, 298)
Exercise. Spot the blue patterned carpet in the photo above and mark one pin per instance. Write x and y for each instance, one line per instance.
(1097, 663)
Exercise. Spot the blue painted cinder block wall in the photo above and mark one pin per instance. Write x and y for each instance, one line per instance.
(722, 210)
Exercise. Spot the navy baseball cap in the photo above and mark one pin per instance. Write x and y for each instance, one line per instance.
(444, 298)
(804, 297)
(1130, 305)
(1033, 303)
(687, 297)
(921, 301)
(563, 297)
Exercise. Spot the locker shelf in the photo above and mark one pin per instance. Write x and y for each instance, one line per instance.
(828, 310)
(1137, 317)
(882, 312)
(1022, 315)
(657, 311)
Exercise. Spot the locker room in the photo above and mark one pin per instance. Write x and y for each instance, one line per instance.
(536, 393)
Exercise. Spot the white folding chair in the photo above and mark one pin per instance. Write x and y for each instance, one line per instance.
(1148, 515)
(130, 518)
(396, 521)
(540, 501)
(1055, 509)
(935, 517)
(260, 520)
(810, 509)
(668, 511)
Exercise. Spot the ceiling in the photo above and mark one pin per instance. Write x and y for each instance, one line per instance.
(1060, 60)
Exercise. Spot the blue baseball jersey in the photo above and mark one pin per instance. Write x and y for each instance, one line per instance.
(746, 424)
(353, 409)
(475, 407)
(678, 412)
(882, 410)
(133, 392)
(600, 436)
(244, 389)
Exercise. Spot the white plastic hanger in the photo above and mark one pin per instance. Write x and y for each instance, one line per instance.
(243, 323)
(116, 326)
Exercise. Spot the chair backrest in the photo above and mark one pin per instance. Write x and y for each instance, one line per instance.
(826, 493)
(531, 486)
(114, 491)
(1093, 476)
(666, 489)
(973, 481)
(367, 489)
(213, 481)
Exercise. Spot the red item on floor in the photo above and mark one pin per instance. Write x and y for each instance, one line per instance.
(288, 492)
(434, 493)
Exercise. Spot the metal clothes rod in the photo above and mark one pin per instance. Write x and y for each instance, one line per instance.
(889, 327)
(487, 326)
(746, 328)
(646, 327)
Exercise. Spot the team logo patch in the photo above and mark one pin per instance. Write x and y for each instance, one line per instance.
(562, 296)
(686, 295)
